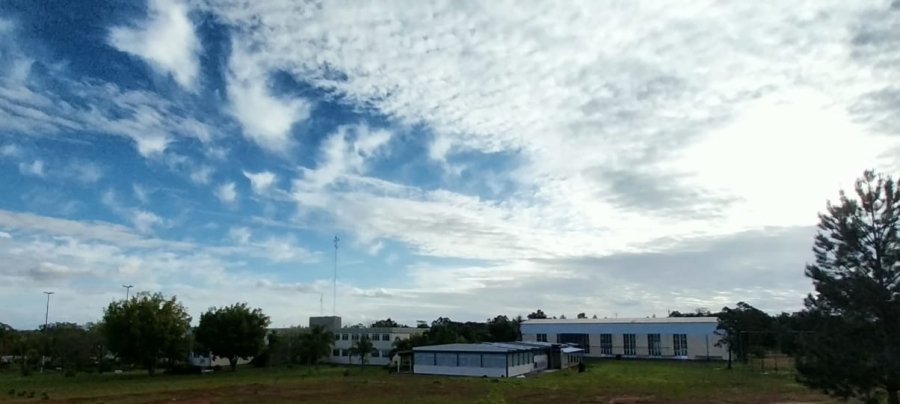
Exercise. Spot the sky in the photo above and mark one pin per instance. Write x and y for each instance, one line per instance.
(618, 158)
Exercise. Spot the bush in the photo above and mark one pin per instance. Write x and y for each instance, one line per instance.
(70, 373)
(182, 369)
(262, 360)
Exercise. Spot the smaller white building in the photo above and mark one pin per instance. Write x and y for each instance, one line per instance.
(486, 359)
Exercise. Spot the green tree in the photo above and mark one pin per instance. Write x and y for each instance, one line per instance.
(315, 345)
(233, 332)
(362, 348)
(737, 327)
(68, 345)
(539, 314)
(8, 336)
(147, 328)
(502, 329)
(855, 350)
(386, 323)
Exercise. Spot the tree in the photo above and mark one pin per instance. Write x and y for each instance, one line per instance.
(362, 348)
(146, 328)
(582, 315)
(315, 345)
(855, 350)
(539, 314)
(386, 323)
(502, 329)
(735, 327)
(68, 345)
(562, 316)
(594, 317)
(233, 332)
(8, 337)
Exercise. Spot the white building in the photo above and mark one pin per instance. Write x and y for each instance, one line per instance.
(490, 360)
(344, 339)
(692, 338)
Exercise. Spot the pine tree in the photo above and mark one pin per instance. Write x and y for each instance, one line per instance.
(854, 350)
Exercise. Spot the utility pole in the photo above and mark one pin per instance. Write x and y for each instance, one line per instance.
(334, 283)
(46, 319)
(127, 289)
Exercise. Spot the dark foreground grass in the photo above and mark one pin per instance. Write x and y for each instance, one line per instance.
(605, 382)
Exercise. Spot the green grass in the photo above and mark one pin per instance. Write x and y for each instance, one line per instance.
(605, 381)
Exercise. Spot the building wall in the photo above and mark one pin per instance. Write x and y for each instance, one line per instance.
(541, 361)
(520, 370)
(459, 371)
(381, 345)
(697, 345)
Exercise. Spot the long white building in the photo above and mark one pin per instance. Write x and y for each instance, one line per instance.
(693, 338)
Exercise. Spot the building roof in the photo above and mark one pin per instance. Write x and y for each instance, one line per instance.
(380, 330)
(483, 347)
(658, 320)
(570, 349)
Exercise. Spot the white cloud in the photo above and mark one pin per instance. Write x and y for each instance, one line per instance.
(167, 41)
(144, 221)
(261, 181)
(35, 168)
(201, 174)
(140, 193)
(4, 234)
(287, 287)
(9, 150)
(226, 193)
(84, 171)
(266, 119)
(241, 235)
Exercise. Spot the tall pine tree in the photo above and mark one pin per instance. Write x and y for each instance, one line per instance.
(854, 350)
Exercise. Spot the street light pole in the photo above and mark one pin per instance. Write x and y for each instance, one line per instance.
(46, 319)
(127, 289)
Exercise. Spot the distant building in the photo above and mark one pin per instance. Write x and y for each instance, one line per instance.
(344, 338)
(692, 338)
(493, 359)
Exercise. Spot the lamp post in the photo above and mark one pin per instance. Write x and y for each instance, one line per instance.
(127, 289)
(46, 319)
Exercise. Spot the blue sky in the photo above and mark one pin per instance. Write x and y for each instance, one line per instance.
(474, 158)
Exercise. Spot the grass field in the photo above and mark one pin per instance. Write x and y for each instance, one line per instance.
(604, 382)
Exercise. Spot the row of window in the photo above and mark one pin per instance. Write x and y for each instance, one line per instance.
(373, 337)
(375, 354)
(475, 360)
(654, 344)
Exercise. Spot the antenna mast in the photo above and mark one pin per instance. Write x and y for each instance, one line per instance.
(334, 284)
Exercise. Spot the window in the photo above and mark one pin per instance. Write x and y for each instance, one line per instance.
(336, 352)
(386, 354)
(630, 345)
(376, 353)
(376, 337)
(542, 337)
(472, 360)
(606, 344)
(355, 337)
(423, 359)
(577, 340)
(345, 352)
(385, 337)
(345, 336)
(445, 359)
(680, 343)
(493, 361)
(653, 348)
